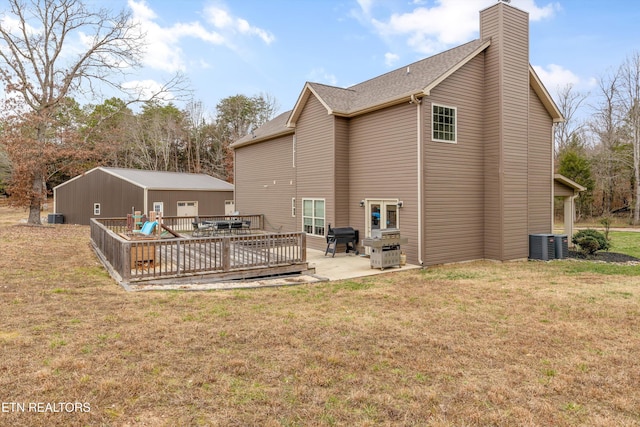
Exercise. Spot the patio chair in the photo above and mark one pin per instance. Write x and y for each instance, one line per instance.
(201, 229)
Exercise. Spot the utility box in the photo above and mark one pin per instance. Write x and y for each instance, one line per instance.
(562, 245)
(542, 246)
(55, 218)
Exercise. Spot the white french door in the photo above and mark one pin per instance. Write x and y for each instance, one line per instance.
(381, 214)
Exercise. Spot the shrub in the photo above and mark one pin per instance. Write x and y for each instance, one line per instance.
(590, 241)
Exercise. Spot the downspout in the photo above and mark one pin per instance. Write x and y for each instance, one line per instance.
(418, 102)
(553, 186)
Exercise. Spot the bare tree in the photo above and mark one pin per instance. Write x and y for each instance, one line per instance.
(195, 122)
(569, 102)
(606, 125)
(630, 102)
(41, 67)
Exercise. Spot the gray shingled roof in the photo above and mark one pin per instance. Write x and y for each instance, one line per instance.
(157, 180)
(272, 128)
(404, 81)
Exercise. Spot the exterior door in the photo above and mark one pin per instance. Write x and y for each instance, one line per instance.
(229, 207)
(381, 214)
(188, 208)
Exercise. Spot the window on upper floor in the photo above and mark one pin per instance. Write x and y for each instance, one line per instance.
(444, 123)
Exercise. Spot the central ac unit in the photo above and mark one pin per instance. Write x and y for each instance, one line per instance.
(542, 246)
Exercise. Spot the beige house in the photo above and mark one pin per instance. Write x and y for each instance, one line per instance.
(455, 150)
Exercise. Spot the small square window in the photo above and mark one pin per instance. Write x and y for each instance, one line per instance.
(444, 124)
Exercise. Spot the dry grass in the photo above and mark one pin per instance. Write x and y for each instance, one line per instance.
(473, 344)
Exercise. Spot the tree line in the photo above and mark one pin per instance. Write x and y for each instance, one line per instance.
(602, 152)
(160, 136)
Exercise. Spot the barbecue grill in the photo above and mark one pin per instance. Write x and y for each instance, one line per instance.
(342, 236)
(385, 247)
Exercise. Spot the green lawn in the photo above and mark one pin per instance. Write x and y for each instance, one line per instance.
(625, 242)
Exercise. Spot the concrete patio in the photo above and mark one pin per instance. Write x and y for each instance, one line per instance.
(342, 266)
(346, 266)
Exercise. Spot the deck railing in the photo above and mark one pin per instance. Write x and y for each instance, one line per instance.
(146, 259)
(182, 224)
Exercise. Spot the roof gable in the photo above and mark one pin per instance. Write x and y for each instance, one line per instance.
(417, 79)
(389, 88)
(544, 96)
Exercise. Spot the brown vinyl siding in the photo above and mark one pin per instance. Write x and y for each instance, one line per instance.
(341, 169)
(209, 202)
(383, 165)
(454, 186)
(267, 182)
(540, 172)
(515, 138)
(561, 190)
(314, 163)
(489, 24)
(117, 197)
(507, 78)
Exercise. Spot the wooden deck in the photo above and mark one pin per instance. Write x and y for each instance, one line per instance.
(218, 257)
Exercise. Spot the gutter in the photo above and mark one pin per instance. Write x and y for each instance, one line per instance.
(418, 102)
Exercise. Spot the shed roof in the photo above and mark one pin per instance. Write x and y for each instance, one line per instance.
(160, 180)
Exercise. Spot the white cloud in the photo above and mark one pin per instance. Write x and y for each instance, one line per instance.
(537, 13)
(447, 23)
(224, 21)
(555, 76)
(320, 75)
(164, 50)
(390, 59)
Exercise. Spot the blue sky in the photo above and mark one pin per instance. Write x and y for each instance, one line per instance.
(257, 46)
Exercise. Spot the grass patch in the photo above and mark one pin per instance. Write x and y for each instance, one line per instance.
(582, 267)
(483, 343)
(625, 242)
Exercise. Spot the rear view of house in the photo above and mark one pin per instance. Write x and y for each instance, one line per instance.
(455, 150)
(114, 192)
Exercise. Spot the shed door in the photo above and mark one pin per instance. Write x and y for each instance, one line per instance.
(188, 208)
(229, 207)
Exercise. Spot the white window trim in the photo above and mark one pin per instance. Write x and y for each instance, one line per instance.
(293, 207)
(313, 218)
(455, 125)
(96, 209)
